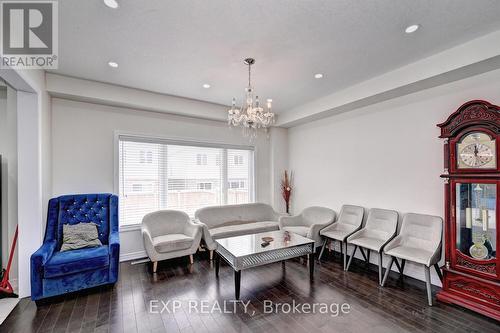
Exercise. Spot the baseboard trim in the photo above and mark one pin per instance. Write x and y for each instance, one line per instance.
(133, 256)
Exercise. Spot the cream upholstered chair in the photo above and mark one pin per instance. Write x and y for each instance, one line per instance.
(169, 234)
(380, 227)
(309, 222)
(419, 241)
(349, 221)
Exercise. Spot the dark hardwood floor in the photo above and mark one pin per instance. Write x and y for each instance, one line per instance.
(399, 307)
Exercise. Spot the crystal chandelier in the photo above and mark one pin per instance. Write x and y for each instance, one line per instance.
(250, 116)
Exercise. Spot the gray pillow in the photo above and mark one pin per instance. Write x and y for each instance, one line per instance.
(79, 236)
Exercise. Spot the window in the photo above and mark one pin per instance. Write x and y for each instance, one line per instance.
(142, 188)
(159, 174)
(146, 157)
(201, 159)
(238, 159)
(204, 186)
(237, 184)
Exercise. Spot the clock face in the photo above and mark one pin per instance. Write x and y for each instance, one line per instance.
(476, 150)
(476, 155)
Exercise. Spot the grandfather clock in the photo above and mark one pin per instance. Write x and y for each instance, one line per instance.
(472, 188)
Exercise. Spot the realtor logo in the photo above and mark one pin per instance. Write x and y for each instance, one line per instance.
(29, 32)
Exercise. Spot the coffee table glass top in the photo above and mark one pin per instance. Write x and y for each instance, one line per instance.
(240, 246)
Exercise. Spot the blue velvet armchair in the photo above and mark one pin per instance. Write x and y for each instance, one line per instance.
(54, 272)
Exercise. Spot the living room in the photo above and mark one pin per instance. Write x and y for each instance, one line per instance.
(250, 166)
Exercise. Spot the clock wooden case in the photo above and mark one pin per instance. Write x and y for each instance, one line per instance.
(472, 188)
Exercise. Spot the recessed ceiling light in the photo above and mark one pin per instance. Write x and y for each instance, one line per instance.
(206, 86)
(318, 76)
(111, 3)
(412, 28)
(113, 64)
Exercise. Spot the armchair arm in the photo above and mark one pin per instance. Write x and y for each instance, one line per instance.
(207, 238)
(114, 254)
(316, 227)
(192, 229)
(148, 244)
(38, 260)
(287, 221)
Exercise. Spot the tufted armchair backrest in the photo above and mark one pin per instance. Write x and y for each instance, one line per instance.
(352, 215)
(318, 215)
(101, 209)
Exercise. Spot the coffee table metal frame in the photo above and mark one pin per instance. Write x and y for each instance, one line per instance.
(239, 263)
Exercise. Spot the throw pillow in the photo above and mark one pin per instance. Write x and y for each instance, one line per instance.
(79, 236)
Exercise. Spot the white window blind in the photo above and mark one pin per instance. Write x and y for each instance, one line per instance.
(162, 174)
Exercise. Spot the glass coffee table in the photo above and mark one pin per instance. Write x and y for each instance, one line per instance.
(242, 252)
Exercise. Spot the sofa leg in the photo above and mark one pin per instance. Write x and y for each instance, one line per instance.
(191, 259)
(211, 255)
(155, 266)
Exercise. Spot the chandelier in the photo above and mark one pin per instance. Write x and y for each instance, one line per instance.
(251, 116)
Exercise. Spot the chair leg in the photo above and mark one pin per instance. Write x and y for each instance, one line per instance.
(191, 259)
(363, 254)
(380, 265)
(322, 249)
(345, 253)
(438, 271)
(155, 266)
(397, 265)
(387, 270)
(428, 284)
(368, 252)
(211, 255)
(350, 258)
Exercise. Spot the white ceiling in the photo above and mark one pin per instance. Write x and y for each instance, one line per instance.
(175, 46)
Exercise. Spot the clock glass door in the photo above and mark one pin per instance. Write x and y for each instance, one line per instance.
(476, 234)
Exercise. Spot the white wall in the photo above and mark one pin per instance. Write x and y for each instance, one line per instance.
(8, 150)
(387, 155)
(83, 148)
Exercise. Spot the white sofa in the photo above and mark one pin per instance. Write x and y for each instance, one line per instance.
(235, 220)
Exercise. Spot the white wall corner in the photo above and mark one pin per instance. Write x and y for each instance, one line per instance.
(278, 141)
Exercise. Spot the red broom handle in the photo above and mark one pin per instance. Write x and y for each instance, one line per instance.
(11, 255)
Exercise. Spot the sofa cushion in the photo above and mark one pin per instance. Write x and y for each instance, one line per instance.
(70, 262)
(298, 230)
(243, 229)
(172, 242)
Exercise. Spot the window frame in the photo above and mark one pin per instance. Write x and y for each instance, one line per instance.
(158, 139)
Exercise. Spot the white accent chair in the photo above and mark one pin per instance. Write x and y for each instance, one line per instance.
(309, 222)
(169, 234)
(419, 241)
(380, 227)
(349, 221)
